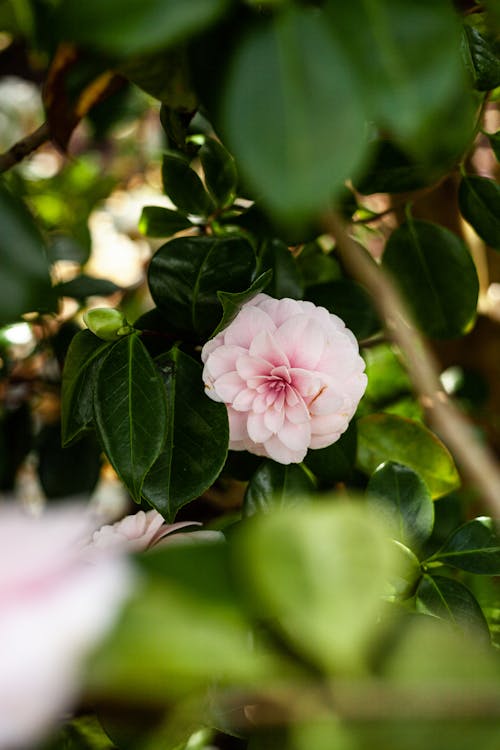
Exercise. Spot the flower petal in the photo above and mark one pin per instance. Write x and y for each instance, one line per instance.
(265, 346)
(257, 430)
(278, 451)
(248, 323)
(273, 419)
(295, 436)
(303, 339)
(228, 386)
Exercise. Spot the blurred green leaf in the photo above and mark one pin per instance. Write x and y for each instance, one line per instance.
(320, 570)
(479, 200)
(451, 600)
(350, 302)
(130, 411)
(183, 186)
(84, 356)
(335, 463)
(386, 437)
(293, 117)
(67, 472)
(84, 286)
(482, 60)
(286, 280)
(219, 168)
(275, 486)
(316, 266)
(197, 438)
(157, 221)
(186, 274)
(82, 733)
(135, 26)
(24, 281)
(232, 302)
(401, 497)
(475, 547)
(387, 378)
(435, 272)
(393, 171)
(494, 139)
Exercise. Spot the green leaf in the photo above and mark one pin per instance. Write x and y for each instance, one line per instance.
(479, 200)
(286, 281)
(24, 281)
(436, 274)
(349, 301)
(474, 547)
(494, 139)
(221, 176)
(232, 301)
(451, 600)
(84, 356)
(130, 411)
(276, 486)
(335, 463)
(401, 496)
(393, 171)
(66, 472)
(126, 27)
(83, 286)
(183, 186)
(406, 91)
(197, 438)
(386, 437)
(387, 378)
(293, 118)
(186, 274)
(482, 60)
(320, 570)
(157, 221)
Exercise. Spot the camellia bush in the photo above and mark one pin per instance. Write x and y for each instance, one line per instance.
(296, 394)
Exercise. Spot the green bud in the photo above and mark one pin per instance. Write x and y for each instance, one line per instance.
(107, 323)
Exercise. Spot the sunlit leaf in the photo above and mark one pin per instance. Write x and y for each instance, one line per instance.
(475, 547)
(221, 176)
(451, 600)
(157, 221)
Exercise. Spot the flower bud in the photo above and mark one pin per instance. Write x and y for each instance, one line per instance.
(107, 323)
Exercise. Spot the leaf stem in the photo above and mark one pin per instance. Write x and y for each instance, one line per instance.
(24, 147)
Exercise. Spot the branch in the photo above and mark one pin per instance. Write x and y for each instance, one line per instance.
(476, 460)
(24, 147)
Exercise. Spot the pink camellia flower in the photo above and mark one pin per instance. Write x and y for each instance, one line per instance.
(290, 375)
(55, 606)
(137, 532)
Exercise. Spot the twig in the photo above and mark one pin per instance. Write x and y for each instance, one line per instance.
(476, 460)
(24, 147)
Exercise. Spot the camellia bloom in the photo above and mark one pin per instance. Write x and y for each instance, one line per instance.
(55, 606)
(290, 375)
(137, 532)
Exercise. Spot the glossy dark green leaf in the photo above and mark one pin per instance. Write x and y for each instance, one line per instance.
(406, 91)
(435, 272)
(186, 274)
(232, 301)
(67, 472)
(130, 411)
(401, 496)
(482, 60)
(494, 139)
(474, 547)
(317, 266)
(286, 281)
(451, 600)
(157, 221)
(293, 117)
(276, 486)
(219, 168)
(86, 286)
(335, 463)
(24, 281)
(135, 26)
(393, 171)
(84, 355)
(197, 438)
(183, 186)
(350, 302)
(479, 200)
(386, 437)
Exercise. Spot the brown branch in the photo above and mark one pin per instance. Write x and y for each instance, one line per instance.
(24, 147)
(476, 460)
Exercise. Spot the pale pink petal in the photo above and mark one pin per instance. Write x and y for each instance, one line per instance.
(251, 367)
(306, 382)
(298, 413)
(228, 386)
(273, 419)
(244, 400)
(295, 436)
(264, 346)
(248, 323)
(237, 425)
(211, 346)
(222, 360)
(323, 441)
(323, 425)
(260, 403)
(328, 401)
(303, 339)
(257, 430)
(276, 450)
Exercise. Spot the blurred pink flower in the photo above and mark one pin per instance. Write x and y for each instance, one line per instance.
(55, 605)
(137, 532)
(290, 375)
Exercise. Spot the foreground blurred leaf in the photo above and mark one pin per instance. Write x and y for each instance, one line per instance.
(124, 28)
(320, 570)
(436, 274)
(24, 281)
(451, 600)
(275, 486)
(475, 547)
(292, 115)
(186, 274)
(479, 200)
(130, 411)
(197, 438)
(386, 437)
(401, 497)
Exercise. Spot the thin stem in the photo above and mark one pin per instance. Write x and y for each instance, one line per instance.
(476, 460)
(24, 147)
